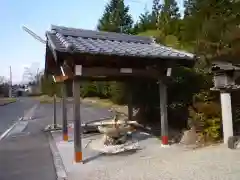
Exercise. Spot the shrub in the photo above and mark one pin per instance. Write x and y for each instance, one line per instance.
(118, 92)
(89, 89)
(206, 117)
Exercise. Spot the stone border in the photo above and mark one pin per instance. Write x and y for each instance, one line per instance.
(57, 159)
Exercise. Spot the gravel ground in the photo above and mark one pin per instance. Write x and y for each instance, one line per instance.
(152, 162)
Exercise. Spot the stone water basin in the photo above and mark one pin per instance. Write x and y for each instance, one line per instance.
(114, 129)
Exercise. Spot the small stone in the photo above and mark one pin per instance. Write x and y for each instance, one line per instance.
(189, 137)
(233, 142)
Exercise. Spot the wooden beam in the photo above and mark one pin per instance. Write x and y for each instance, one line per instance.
(113, 61)
(101, 78)
(61, 78)
(115, 72)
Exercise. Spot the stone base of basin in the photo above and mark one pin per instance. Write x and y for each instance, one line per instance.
(114, 149)
(108, 140)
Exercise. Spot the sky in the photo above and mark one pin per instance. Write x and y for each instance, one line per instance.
(18, 49)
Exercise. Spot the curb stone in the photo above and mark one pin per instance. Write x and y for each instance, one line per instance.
(57, 160)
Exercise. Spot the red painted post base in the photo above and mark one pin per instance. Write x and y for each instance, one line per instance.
(78, 157)
(65, 137)
(165, 140)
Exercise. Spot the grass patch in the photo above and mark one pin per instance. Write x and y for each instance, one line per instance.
(105, 103)
(98, 102)
(5, 101)
(45, 99)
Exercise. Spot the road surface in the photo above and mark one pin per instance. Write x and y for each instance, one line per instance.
(26, 154)
(12, 112)
(88, 112)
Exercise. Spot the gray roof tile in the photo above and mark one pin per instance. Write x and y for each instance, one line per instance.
(227, 66)
(107, 43)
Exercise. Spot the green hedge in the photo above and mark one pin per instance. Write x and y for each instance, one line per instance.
(115, 91)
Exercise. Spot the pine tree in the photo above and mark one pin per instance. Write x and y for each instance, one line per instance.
(116, 18)
(156, 8)
(190, 6)
(170, 9)
(213, 26)
(168, 18)
(145, 22)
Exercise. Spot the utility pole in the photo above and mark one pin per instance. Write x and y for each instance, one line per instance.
(10, 82)
(40, 83)
(38, 78)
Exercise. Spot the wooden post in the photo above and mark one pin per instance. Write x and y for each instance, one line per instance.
(130, 103)
(64, 113)
(54, 111)
(77, 121)
(163, 112)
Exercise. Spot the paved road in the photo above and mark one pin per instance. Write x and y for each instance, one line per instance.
(26, 154)
(12, 112)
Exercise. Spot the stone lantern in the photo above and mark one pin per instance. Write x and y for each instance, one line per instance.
(225, 75)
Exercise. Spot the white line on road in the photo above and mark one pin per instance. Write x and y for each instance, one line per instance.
(3, 135)
(27, 115)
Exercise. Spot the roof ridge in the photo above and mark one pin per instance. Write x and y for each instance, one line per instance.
(174, 50)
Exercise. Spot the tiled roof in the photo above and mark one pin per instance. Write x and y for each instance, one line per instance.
(226, 66)
(73, 40)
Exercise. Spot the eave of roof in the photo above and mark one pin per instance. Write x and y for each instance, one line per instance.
(72, 40)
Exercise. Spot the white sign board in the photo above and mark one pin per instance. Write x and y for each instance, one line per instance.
(54, 78)
(78, 70)
(169, 71)
(126, 70)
